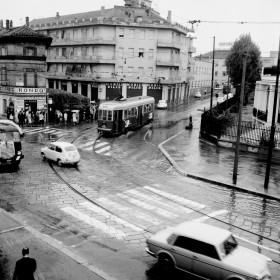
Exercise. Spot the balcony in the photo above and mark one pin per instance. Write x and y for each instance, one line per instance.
(192, 49)
(83, 41)
(170, 44)
(168, 62)
(79, 59)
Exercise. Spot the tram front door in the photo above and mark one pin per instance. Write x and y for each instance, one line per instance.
(118, 121)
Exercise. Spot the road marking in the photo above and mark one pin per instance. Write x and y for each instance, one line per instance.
(148, 206)
(211, 215)
(103, 149)
(175, 198)
(94, 222)
(136, 213)
(105, 213)
(100, 144)
(86, 144)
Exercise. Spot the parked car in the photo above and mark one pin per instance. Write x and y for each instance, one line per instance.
(208, 252)
(197, 94)
(61, 152)
(162, 104)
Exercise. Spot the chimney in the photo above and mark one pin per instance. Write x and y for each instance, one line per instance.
(1, 23)
(27, 21)
(11, 24)
(57, 15)
(169, 17)
(7, 24)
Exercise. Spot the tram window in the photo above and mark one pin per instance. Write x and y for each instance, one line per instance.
(100, 114)
(104, 115)
(110, 116)
(129, 113)
(124, 114)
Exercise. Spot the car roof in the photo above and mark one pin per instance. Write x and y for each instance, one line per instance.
(203, 232)
(62, 144)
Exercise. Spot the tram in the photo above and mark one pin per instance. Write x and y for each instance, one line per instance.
(123, 114)
(10, 142)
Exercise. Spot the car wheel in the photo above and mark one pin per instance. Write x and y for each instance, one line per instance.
(59, 162)
(166, 262)
(43, 156)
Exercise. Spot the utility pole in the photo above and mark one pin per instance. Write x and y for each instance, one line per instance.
(272, 130)
(212, 80)
(235, 168)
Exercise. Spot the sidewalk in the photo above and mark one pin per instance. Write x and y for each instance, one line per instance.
(54, 261)
(199, 159)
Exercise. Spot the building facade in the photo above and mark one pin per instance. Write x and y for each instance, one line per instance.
(220, 71)
(23, 68)
(128, 50)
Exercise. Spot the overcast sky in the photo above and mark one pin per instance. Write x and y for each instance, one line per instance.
(262, 17)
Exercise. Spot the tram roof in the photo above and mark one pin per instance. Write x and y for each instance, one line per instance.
(128, 102)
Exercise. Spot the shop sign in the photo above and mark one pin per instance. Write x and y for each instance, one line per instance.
(23, 90)
(31, 97)
(134, 86)
(154, 86)
(113, 85)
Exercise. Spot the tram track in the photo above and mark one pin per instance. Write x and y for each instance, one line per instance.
(127, 176)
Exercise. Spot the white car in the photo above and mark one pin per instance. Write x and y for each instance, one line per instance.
(61, 152)
(162, 104)
(208, 252)
(197, 94)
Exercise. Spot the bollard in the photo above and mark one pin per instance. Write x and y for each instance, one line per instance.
(190, 126)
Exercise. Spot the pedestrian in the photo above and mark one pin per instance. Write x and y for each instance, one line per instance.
(41, 119)
(65, 118)
(91, 112)
(25, 267)
(74, 116)
(96, 113)
(21, 118)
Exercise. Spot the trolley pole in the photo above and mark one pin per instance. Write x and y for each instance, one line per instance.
(212, 80)
(235, 168)
(272, 130)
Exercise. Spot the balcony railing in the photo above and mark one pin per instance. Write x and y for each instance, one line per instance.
(81, 59)
(168, 62)
(169, 44)
(83, 41)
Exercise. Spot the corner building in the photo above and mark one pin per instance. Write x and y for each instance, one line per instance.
(22, 69)
(128, 50)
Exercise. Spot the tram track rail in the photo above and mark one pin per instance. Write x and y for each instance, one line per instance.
(128, 176)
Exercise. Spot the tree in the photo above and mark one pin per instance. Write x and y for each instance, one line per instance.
(234, 64)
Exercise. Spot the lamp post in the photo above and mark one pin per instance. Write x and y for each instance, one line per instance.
(212, 80)
(272, 131)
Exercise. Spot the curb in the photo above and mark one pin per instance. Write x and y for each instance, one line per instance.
(58, 245)
(220, 183)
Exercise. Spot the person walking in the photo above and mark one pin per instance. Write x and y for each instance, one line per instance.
(41, 119)
(74, 116)
(21, 118)
(25, 267)
(65, 118)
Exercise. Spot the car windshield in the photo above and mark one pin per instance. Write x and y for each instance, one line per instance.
(228, 245)
(161, 101)
(70, 149)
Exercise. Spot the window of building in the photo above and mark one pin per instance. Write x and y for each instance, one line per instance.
(29, 51)
(151, 34)
(30, 78)
(3, 75)
(121, 52)
(141, 52)
(151, 53)
(130, 71)
(64, 52)
(216, 73)
(121, 32)
(131, 33)
(131, 52)
(62, 34)
(141, 71)
(150, 70)
(142, 34)
(120, 70)
(224, 73)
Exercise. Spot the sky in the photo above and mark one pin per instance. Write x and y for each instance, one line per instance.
(218, 18)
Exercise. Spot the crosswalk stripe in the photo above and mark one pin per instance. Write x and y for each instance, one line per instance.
(86, 144)
(88, 149)
(176, 198)
(149, 207)
(137, 215)
(107, 154)
(101, 211)
(59, 133)
(100, 144)
(211, 215)
(158, 200)
(103, 149)
(94, 222)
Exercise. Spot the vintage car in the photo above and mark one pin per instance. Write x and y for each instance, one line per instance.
(162, 104)
(61, 152)
(208, 252)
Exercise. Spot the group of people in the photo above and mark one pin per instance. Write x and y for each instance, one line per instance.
(30, 118)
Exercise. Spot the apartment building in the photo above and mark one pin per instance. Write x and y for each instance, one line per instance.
(220, 71)
(22, 68)
(129, 50)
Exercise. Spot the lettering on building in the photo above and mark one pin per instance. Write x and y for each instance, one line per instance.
(113, 85)
(154, 86)
(134, 86)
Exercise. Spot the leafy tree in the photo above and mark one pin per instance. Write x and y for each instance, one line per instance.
(234, 64)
